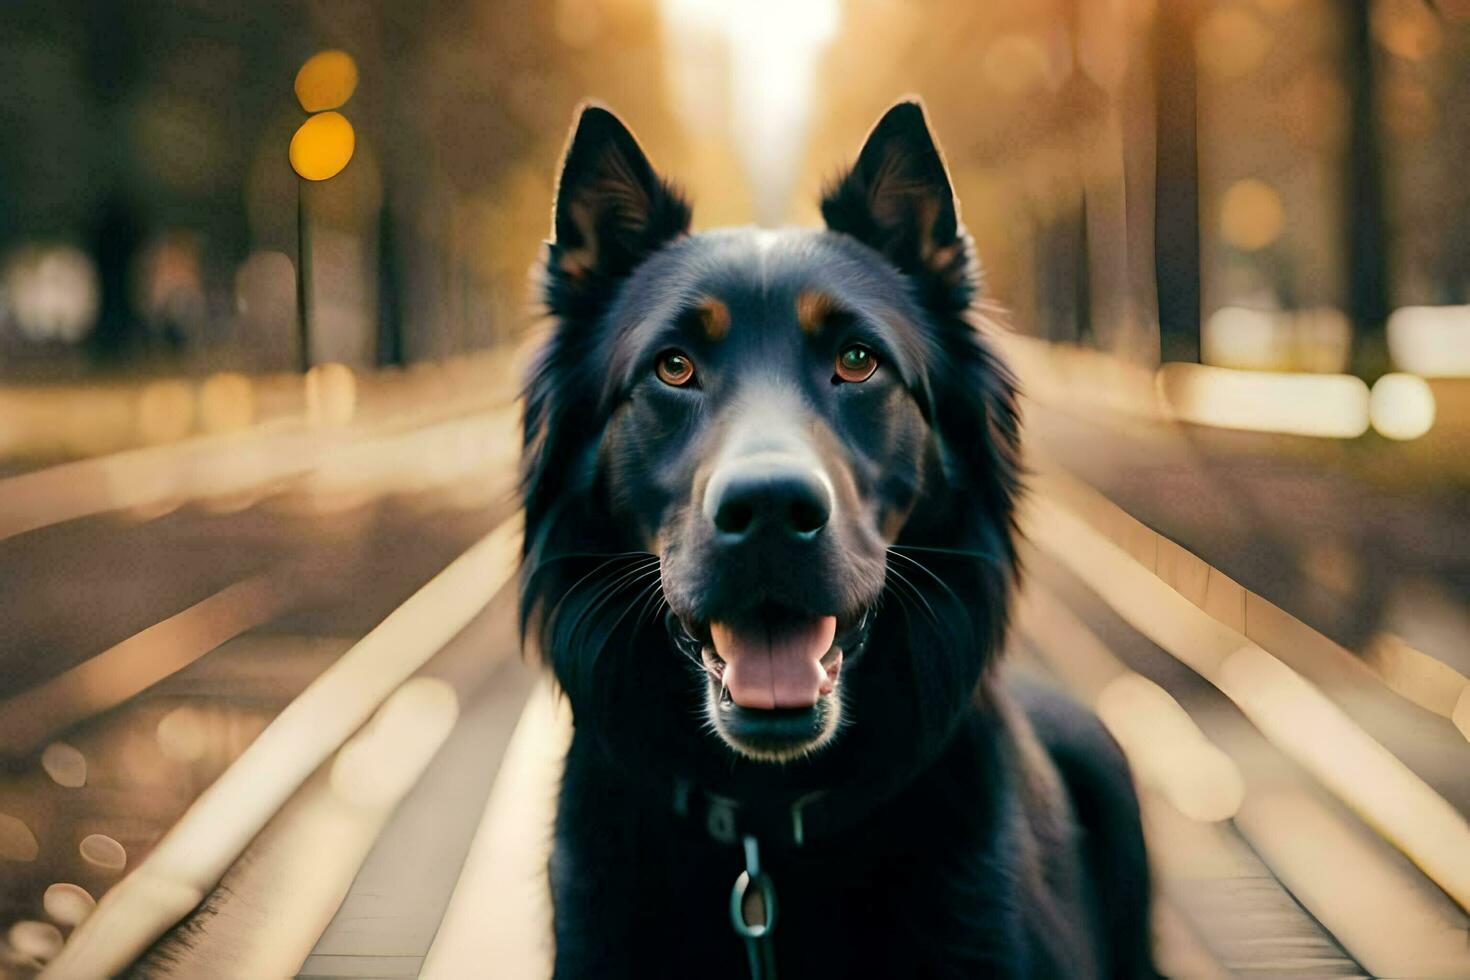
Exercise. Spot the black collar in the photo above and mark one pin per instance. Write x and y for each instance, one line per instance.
(794, 823)
(727, 820)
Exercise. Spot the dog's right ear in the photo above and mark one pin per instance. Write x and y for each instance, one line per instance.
(612, 212)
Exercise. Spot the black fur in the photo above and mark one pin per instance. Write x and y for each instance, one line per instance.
(962, 845)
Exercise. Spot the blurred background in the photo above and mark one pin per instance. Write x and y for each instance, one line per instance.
(264, 294)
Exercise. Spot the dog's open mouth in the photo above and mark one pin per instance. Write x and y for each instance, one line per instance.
(773, 674)
(773, 658)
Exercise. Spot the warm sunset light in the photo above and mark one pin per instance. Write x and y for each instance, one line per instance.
(741, 488)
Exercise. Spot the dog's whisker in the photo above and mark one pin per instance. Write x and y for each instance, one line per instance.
(588, 616)
(604, 590)
(919, 595)
(653, 604)
(600, 568)
(987, 556)
(642, 599)
(546, 563)
(905, 605)
(938, 581)
(627, 579)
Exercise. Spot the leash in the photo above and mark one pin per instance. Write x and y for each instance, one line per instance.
(760, 947)
(732, 822)
(753, 906)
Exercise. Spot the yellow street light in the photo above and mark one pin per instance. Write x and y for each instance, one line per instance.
(322, 146)
(326, 81)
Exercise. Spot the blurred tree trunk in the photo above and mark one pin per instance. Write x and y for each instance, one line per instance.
(114, 64)
(390, 290)
(1365, 226)
(1176, 181)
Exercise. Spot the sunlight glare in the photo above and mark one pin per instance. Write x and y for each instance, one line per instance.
(773, 51)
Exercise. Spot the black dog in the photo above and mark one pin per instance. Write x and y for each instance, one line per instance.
(770, 481)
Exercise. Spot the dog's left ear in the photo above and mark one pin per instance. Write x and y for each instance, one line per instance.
(897, 199)
(612, 212)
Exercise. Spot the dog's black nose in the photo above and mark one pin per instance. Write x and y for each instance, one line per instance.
(767, 496)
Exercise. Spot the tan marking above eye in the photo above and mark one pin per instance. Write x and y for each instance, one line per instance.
(576, 262)
(813, 307)
(714, 316)
(674, 368)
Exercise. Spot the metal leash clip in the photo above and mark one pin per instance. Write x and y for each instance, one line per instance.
(759, 945)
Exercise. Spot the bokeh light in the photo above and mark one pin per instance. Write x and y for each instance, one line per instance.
(52, 292)
(37, 941)
(1251, 215)
(65, 764)
(103, 852)
(68, 904)
(326, 81)
(226, 402)
(183, 734)
(1402, 406)
(1317, 340)
(331, 394)
(1431, 341)
(1016, 64)
(1409, 29)
(1232, 41)
(17, 841)
(323, 146)
(1326, 406)
(1205, 228)
(165, 411)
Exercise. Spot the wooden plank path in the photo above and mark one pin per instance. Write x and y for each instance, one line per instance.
(1277, 852)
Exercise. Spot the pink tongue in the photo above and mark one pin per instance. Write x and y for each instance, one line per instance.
(775, 666)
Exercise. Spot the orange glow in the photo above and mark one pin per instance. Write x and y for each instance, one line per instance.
(165, 411)
(326, 81)
(226, 402)
(1251, 215)
(1016, 64)
(323, 146)
(1232, 41)
(331, 394)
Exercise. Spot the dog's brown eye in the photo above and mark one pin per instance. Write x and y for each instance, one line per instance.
(674, 367)
(856, 363)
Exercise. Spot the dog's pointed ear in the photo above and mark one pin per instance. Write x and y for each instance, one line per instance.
(897, 199)
(612, 212)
